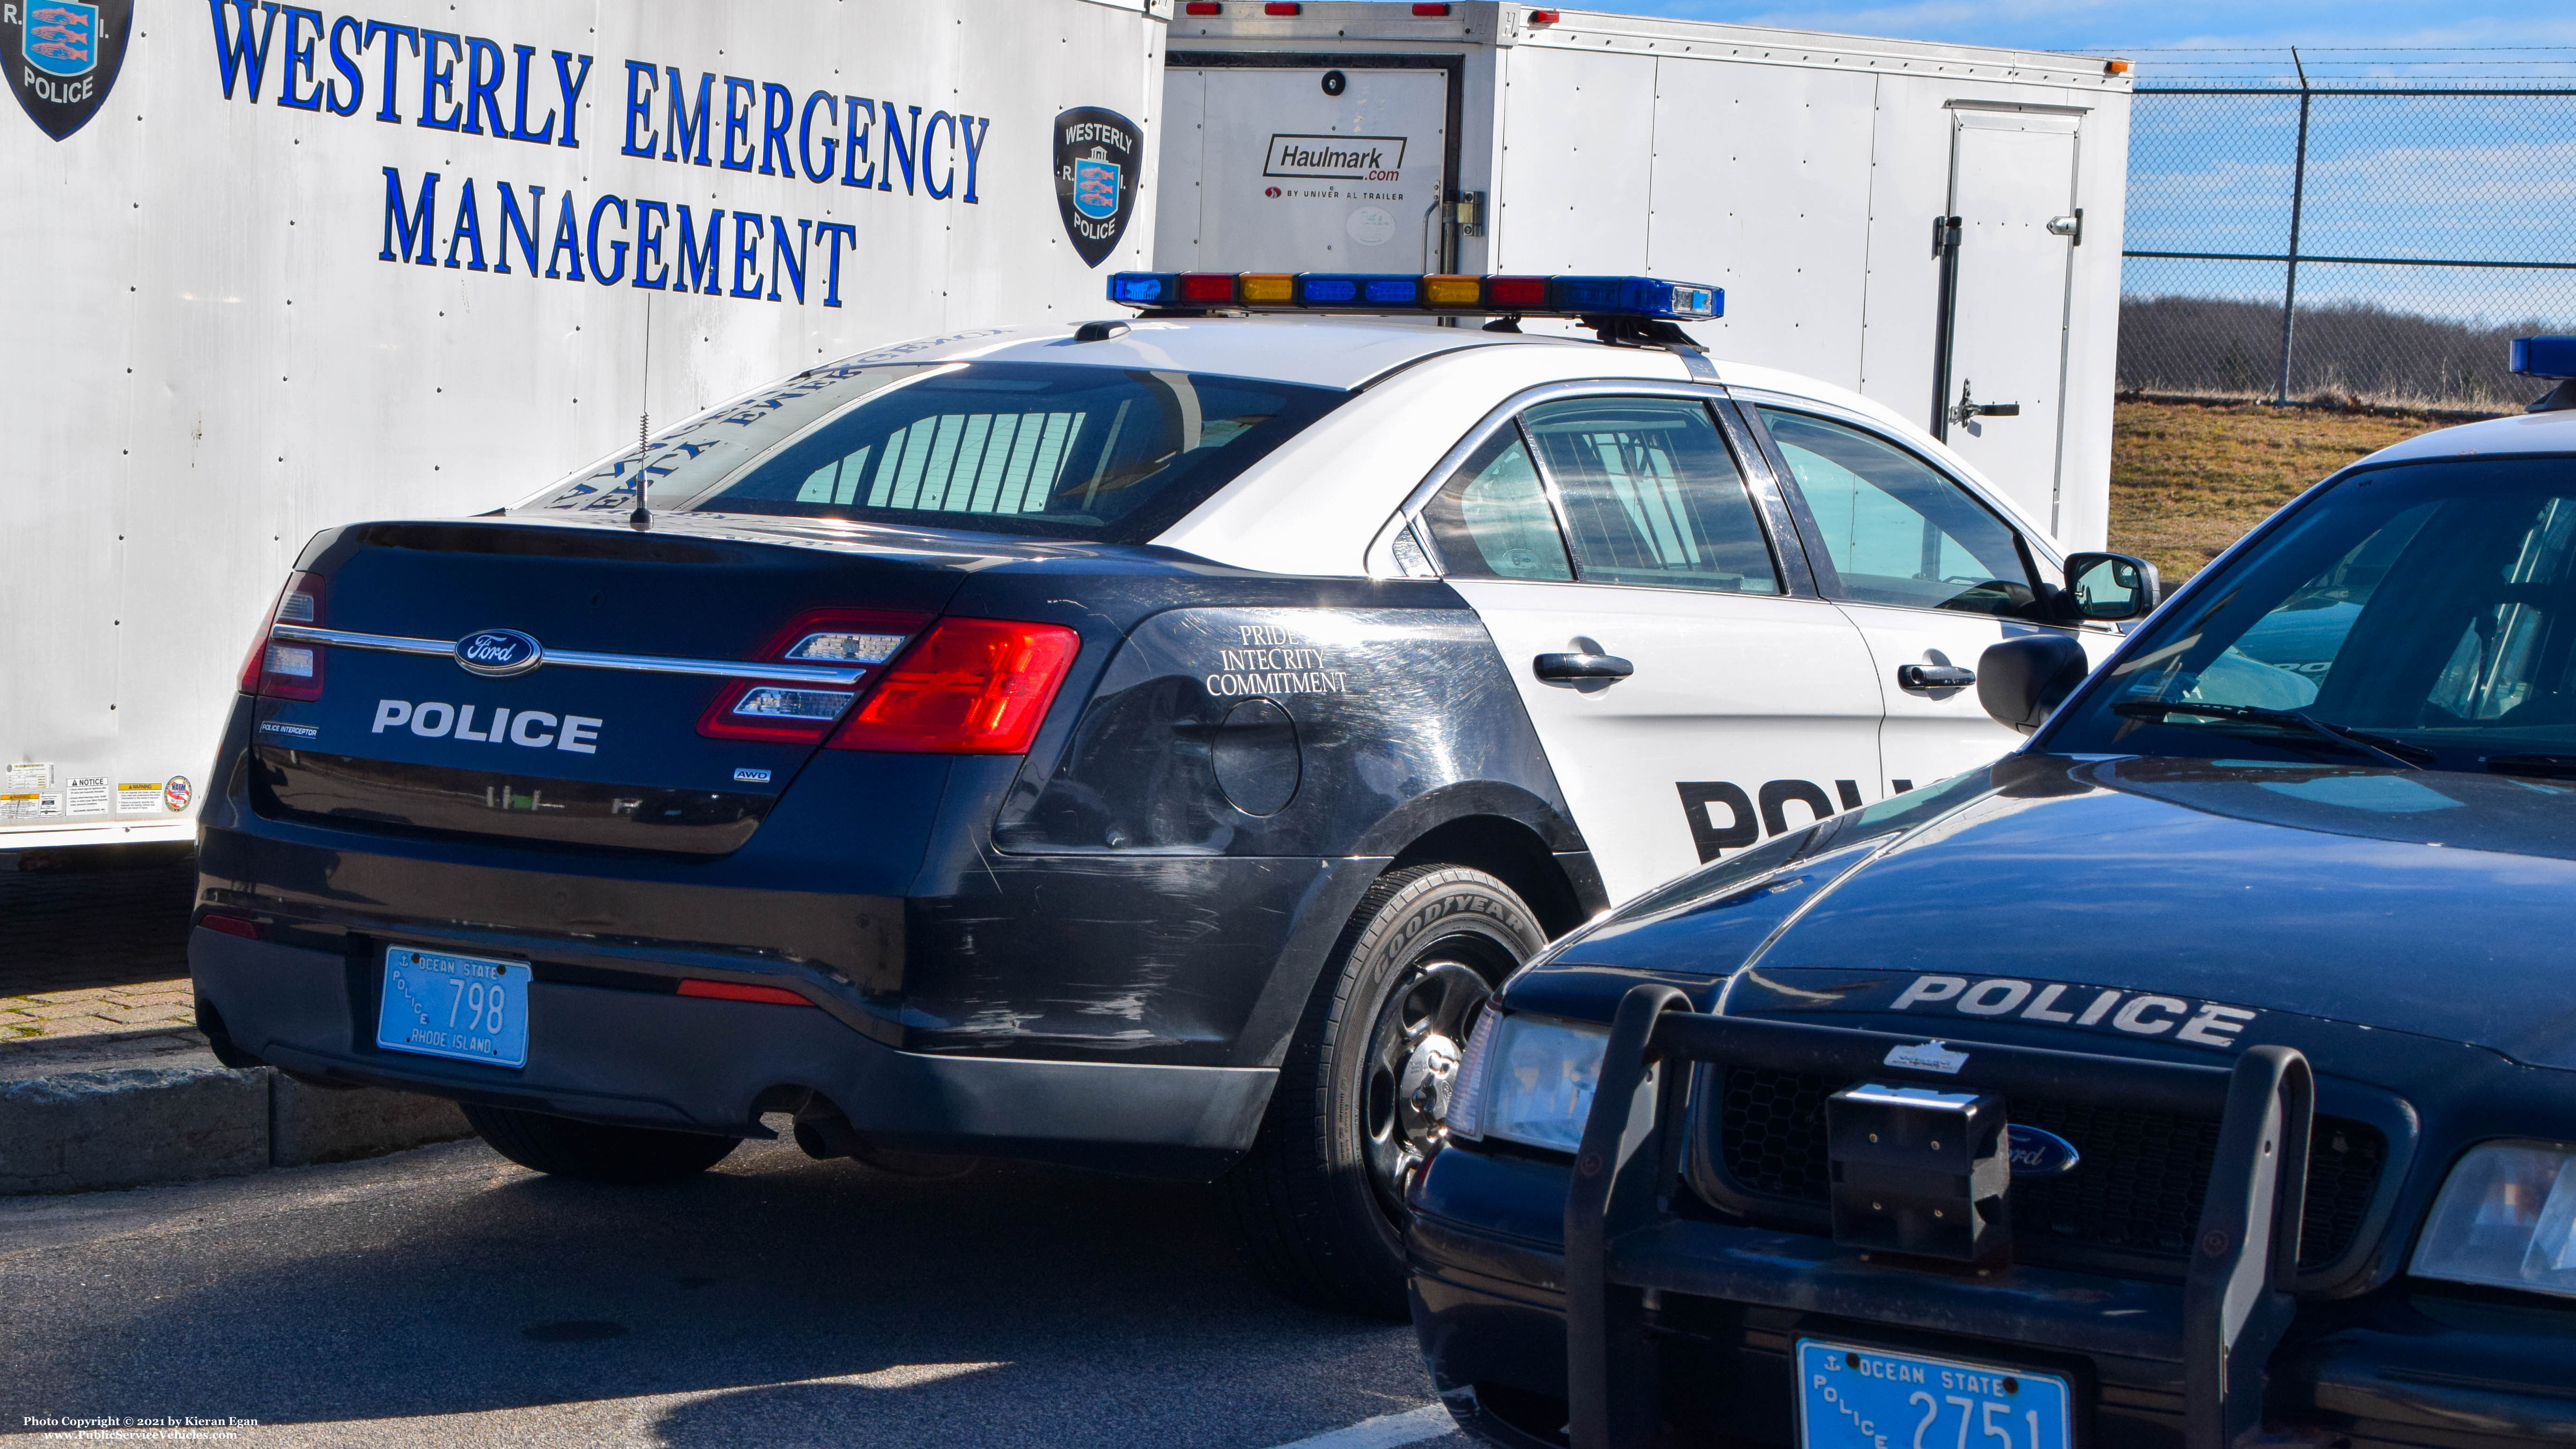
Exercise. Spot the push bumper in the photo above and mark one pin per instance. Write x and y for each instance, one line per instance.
(660, 1060)
(1602, 1306)
(2397, 1369)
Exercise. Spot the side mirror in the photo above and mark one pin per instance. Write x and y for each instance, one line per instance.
(2105, 588)
(2021, 681)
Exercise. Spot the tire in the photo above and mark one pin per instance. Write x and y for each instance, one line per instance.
(595, 1152)
(1318, 1203)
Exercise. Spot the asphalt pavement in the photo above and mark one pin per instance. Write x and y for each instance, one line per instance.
(446, 1296)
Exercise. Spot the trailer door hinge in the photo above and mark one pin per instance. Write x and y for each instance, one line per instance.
(1470, 212)
(2070, 226)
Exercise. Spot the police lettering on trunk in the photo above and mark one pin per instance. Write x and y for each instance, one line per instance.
(532, 728)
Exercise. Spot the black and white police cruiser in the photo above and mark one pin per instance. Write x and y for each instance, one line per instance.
(2203, 1074)
(1141, 745)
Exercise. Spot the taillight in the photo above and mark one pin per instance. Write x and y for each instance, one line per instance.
(970, 687)
(799, 712)
(284, 669)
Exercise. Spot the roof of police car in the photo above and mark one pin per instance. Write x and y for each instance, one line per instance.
(2526, 433)
(1320, 351)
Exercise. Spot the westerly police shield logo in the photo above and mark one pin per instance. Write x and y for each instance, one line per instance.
(1098, 154)
(63, 56)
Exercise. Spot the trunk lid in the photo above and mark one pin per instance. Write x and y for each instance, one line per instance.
(605, 753)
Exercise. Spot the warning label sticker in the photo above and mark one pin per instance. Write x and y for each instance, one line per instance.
(88, 795)
(143, 799)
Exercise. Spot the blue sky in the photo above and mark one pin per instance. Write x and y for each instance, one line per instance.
(2137, 25)
(2490, 178)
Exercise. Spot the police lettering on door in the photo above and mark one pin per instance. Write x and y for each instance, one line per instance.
(1723, 817)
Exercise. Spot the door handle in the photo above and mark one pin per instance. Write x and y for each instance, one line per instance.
(1569, 667)
(1934, 676)
(1969, 407)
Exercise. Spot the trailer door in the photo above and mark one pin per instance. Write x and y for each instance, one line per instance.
(1306, 163)
(2012, 196)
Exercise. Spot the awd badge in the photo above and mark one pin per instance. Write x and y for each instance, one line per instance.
(1098, 154)
(63, 56)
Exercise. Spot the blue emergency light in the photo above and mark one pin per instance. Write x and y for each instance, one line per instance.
(1391, 293)
(2547, 357)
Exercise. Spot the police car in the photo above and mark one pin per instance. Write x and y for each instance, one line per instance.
(1141, 745)
(2203, 1073)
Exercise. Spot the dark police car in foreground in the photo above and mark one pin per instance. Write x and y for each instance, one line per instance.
(1140, 745)
(2204, 1073)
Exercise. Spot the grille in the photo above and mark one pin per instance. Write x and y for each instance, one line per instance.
(2139, 1191)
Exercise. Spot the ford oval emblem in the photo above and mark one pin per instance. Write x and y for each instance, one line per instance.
(2040, 1154)
(498, 653)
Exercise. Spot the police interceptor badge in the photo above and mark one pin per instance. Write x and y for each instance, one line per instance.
(1098, 154)
(63, 56)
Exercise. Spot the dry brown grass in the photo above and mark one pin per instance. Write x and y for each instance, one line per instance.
(2187, 479)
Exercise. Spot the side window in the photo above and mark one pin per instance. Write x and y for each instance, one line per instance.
(1651, 495)
(1492, 518)
(1896, 531)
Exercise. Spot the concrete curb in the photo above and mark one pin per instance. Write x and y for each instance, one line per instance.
(126, 1127)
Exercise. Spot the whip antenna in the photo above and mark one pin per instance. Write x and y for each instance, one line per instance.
(643, 515)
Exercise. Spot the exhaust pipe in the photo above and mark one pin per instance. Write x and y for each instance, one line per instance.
(824, 1132)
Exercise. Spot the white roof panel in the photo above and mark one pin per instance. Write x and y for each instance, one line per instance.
(2529, 433)
(1336, 352)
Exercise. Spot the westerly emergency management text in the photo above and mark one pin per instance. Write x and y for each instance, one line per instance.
(298, 266)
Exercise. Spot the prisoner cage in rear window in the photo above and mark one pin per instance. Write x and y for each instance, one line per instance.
(1099, 453)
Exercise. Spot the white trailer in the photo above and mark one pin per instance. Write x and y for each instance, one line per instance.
(1935, 226)
(274, 268)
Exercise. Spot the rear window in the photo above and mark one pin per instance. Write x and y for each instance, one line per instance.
(1108, 454)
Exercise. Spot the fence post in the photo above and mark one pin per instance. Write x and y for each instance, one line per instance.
(2298, 204)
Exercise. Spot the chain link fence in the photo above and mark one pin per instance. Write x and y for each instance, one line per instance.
(2373, 237)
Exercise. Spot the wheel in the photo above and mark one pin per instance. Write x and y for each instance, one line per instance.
(595, 1152)
(1363, 1097)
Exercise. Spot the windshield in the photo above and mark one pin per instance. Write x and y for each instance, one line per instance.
(2421, 615)
(1106, 454)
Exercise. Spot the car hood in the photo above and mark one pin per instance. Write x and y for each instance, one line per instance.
(2437, 904)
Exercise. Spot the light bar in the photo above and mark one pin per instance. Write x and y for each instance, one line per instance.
(2548, 357)
(1393, 293)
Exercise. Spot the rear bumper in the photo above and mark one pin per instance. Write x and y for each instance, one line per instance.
(2396, 1368)
(660, 1060)
(872, 886)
